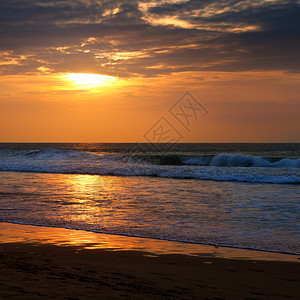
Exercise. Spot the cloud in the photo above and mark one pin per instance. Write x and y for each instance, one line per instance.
(148, 38)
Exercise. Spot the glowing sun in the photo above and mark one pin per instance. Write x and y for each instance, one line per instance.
(87, 80)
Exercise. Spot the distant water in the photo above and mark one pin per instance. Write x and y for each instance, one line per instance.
(241, 195)
(265, 163)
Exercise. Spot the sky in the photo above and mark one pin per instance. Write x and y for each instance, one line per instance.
(119, 71)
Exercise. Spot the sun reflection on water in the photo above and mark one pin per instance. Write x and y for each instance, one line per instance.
(182, 210)
(90, 198)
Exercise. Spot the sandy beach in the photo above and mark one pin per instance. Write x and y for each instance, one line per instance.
(38, 268)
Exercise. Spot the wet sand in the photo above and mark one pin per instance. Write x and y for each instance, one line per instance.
(42, 268)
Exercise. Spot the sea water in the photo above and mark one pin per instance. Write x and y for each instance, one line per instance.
(238, 195)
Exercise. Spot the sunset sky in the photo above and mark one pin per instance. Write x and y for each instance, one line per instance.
(239, 59)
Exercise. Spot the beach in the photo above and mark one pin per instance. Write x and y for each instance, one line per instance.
(98, 221)
(67, 267)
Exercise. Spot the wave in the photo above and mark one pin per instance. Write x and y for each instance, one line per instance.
(219, 160)
(221, 167)
(240, 160)
(54, 154)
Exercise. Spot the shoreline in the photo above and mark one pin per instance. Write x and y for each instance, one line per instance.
(43, 262)
(33, 234)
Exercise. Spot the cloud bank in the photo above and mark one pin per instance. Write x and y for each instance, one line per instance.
(148, 38)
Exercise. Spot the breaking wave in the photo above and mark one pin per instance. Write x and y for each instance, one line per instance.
(240, 160)
(221, 167)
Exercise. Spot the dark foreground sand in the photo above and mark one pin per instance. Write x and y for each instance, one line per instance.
(30, 271)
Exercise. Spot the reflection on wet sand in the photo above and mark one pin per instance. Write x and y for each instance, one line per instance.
(15, 233)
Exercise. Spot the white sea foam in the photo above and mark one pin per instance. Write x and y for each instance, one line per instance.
(222, 167)
(240, 160)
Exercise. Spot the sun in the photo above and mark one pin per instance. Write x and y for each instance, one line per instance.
(87, 80)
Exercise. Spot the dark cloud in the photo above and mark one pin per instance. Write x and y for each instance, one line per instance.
(129, 38)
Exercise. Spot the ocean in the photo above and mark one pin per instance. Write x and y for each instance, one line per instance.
(236, 195)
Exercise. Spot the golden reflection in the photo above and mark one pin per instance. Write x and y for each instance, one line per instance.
(14, 233)
(91, 199)
(88, 188)
(91, 184)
